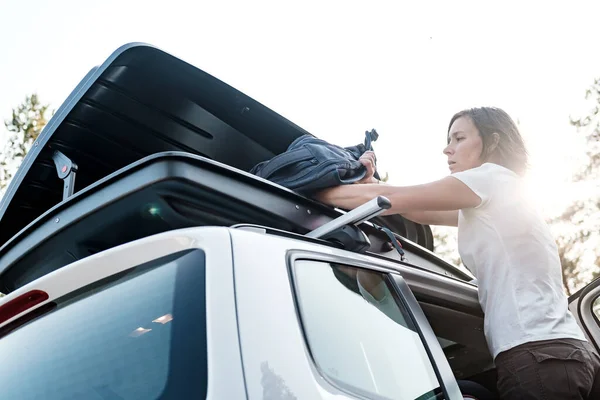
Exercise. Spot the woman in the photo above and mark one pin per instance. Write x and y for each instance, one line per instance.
(539, 350)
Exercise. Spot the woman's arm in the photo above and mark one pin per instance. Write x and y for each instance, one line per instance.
(447, 194)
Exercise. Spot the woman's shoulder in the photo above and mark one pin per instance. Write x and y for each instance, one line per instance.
(493, 183)
(496, 173)
(488, 172)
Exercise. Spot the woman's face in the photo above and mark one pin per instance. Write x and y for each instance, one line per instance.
(464, 146)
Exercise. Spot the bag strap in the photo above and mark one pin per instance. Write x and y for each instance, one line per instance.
(397, 245)
(370, 136)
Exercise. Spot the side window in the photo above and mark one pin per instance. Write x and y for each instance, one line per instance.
(596, 308)
(360, 337)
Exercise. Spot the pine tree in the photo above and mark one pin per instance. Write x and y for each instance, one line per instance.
(27, 121)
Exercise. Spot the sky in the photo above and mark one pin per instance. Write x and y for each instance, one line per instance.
(338, 68)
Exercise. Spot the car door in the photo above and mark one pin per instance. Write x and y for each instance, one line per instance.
(585, 305)
(322, 323)
(152, 319)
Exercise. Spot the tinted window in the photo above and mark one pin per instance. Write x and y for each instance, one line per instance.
(359, 335)
(138, 336)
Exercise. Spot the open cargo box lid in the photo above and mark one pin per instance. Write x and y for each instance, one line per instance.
(139, 102)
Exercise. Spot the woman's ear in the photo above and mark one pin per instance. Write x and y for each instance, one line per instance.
(494, 142)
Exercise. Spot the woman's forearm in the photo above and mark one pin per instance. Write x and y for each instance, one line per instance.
(443, 195)
(349, 197)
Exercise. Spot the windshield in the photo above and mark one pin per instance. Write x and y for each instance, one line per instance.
(141, 335)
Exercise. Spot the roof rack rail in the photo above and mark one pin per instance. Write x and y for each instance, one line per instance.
(343, 231)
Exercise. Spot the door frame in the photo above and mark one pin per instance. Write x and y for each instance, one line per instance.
(581, 305)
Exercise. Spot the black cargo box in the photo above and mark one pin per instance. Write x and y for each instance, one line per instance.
(178, 136)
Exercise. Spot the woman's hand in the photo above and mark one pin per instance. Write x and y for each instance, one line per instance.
(368, 160)
(343, 194)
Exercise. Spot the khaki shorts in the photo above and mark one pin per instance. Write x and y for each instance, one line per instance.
(562, 369)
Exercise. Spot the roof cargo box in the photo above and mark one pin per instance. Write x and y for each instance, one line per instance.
(142, 102)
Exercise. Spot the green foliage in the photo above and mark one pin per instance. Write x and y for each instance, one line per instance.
(24, 127)
(385, 178)
(445, 245)
(570, 259)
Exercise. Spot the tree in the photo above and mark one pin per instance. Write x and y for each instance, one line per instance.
(589, 126)
(580, 223)
(445, 244)
(26, 124)
(570, 260)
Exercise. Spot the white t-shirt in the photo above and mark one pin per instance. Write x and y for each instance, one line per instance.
(507, 245)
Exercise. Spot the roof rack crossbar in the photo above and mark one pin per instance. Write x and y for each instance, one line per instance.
(360, 214)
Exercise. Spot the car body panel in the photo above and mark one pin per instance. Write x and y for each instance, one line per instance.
(273, 345)
(225, 378)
